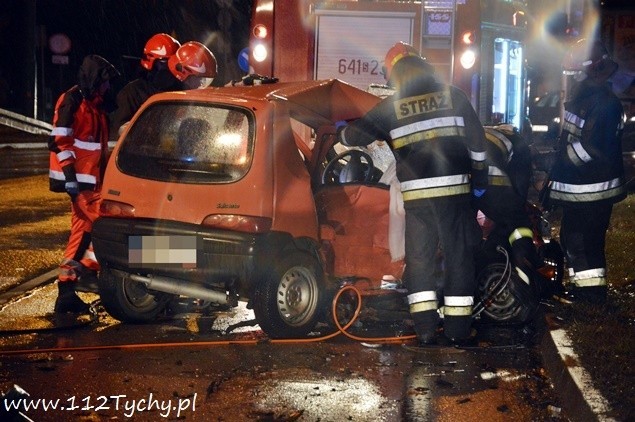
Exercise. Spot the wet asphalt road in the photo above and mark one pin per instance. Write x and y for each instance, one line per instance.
(187, 366)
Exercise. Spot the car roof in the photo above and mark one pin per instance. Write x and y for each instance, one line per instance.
(315, 103)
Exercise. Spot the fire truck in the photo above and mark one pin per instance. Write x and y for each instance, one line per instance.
(477, 45)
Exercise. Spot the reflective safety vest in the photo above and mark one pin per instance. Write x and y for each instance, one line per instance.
(79, 139)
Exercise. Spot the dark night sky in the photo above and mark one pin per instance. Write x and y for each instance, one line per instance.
(115, 29)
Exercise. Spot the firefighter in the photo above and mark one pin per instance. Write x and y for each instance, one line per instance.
(442, 166)
(516, 155)
(508, 147)
(156, 78)
(78, 148)
(194, 65)
(503, 210)
(587, 177)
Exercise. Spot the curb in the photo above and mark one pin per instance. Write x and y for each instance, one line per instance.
(581, 401)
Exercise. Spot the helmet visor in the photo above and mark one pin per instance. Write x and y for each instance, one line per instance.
(196, 82)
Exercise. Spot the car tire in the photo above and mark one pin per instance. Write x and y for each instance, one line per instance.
(288, 300)
(130, 301)
(503, 307)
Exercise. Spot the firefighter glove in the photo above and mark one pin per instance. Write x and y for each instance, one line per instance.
(340, 124)
(72, 188)
(478, 192)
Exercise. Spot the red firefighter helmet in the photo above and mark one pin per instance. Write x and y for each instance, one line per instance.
(396, 53)
(589, 57)
(193, 59)
(158, 47)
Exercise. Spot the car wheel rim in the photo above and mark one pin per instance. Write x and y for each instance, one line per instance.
(502, 306)
(297, 295)
(137, 294)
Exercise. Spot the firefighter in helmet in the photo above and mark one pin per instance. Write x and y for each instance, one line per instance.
(78, 148)
(194, 65)
(442, 165)
(587, 177)
(156, 78)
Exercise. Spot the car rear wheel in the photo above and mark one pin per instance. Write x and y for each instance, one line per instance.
(511, 302)
(287, 301)
(129, 301)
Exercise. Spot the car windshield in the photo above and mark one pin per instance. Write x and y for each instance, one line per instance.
(189, 143)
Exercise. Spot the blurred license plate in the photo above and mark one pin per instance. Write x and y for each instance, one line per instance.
(162, 251)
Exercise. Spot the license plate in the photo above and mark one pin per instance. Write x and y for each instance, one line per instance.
(162, 251)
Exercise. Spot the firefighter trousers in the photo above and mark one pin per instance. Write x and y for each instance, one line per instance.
(583, 239)
(441, 242)
(78, 254)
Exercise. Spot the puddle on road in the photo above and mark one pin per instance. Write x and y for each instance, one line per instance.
(323, 398)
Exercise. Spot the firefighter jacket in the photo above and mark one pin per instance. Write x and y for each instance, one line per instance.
(436, 138)
(129, 99)
(588, 167)
(79, 139)
(515, 157)
(78, 142)
(136, 92)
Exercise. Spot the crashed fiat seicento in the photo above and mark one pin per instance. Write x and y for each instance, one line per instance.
(238, 194)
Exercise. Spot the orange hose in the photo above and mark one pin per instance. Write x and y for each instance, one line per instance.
(340, 330)
(355, 315)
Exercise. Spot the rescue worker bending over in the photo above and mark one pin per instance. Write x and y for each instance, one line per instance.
(504, 203)
(156, 78)
(79, 153)
(587, 177)
(515, 156)
(507, 148)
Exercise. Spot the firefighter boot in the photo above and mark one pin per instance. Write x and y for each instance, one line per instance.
(426, 324)
(458, 329)
(87, 281)
(67, 300)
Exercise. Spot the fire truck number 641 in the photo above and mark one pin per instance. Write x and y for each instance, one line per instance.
(358, 66)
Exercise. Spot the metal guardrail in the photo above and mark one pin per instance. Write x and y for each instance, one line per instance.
(21, 132)
(24, 123)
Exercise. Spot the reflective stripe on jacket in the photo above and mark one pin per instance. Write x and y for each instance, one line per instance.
(436, 137)
(80, 139)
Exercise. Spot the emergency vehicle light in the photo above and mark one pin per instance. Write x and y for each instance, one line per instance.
(260, 53)
(468, 38)
(260, 31)
(468, 58)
